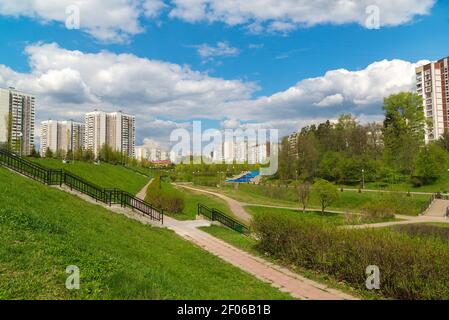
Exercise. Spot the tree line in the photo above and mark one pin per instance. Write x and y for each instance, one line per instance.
(346, 152)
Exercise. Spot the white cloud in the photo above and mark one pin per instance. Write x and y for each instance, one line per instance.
(111, 20)
(165, 96)
(332, 100)
(222, 49)
(70, 83)
(285, 15)
(360, 92)
(118, 20)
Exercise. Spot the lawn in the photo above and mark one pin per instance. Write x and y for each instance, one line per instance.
(316, 216)
(104, 175)
(439, 185)
(193, 198)
(349, 201)
(44, 230)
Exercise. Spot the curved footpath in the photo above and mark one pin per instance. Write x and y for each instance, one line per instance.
(279, 277)
(236, 207)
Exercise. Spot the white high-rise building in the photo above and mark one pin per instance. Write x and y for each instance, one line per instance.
(62, 136)
(118, 130)
(17, 116)
(141, 153)
(433, 86)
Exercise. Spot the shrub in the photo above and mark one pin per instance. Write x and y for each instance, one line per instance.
(169, 200)
(411, 268)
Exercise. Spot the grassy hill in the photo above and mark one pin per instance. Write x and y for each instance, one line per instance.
(104, 175)
(44, 230)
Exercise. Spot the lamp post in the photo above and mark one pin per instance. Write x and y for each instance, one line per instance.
(363, 178)
(20, 134)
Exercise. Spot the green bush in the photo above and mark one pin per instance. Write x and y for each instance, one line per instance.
(171, 200)
(410, 268)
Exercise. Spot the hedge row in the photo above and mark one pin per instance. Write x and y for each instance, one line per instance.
(410, 267)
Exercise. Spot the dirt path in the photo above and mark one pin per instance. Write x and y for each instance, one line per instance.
(236, 207)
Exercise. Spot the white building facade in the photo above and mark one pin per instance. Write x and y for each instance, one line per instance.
(63, 136)
(432, 84)
(17, 117)
(118, 130)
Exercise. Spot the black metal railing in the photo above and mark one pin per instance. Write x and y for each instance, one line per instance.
(60, 177)
(217, 215)
(428, 203)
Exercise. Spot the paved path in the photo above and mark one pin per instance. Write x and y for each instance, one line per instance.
(279, 277)
(438, 208)
(236, 207)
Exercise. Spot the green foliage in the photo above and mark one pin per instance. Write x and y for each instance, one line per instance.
(167, 199)
(47, 230)
(49, 153)
(327, 193)
(411, 268)
(430, 163)
(404, 130)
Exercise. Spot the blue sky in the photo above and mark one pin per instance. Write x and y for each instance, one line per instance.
(259, 64)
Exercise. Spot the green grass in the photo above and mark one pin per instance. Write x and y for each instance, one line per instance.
(44, 230)
(193, 198)
(234, 238)
(439, 185)
(316, 216)
(349, 201)
(104, 175)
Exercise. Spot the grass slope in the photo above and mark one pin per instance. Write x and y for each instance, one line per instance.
(193, 198)
(44, 230)
(103, 175)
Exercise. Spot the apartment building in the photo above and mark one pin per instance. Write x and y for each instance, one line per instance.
(62, 136)
(17, 116)
(141, 153)
(432, 85)
(114, 129)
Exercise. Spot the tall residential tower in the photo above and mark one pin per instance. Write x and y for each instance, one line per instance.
(63, 136)
(433, 87)
(17, 120)
(114, 129)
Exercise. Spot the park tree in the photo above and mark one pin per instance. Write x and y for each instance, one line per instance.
(443, 142)
(327, 193)
(34, 153)
(404, 129)
(430, 163)
(49, 153)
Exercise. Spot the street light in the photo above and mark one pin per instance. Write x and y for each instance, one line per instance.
(363, 178)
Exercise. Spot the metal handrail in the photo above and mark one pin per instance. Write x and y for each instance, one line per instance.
(60, 177)
(223, 218)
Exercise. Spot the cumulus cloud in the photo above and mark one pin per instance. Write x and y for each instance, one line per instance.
(118, 20)
(360, 92)
(112, 20)
(165, 96)
(70, 83)
(285, 15)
